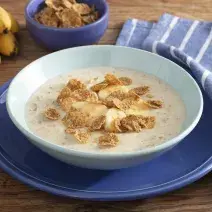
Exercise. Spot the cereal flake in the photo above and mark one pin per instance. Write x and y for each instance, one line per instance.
(70, 18)
(125, 80)
(84, 95)
(52, 114)
(99, 86)
(108, 140)
(65, 93)
(47, 17)
(75, 84)
(155, 104)
(112, 80)
(75, 119)
(141, 90)
(56, 5)
(82, 136)
(125, 104)
(97, 123)
(66, 103)
(81, 8)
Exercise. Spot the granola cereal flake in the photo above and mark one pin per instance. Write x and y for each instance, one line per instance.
(125, 80)
(52, 114)
(141, 90)
(108, 140)
(154, 104)
(97, 123)
(74, 84)
(112, 80)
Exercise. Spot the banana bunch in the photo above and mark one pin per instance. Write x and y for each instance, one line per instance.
(8, 27)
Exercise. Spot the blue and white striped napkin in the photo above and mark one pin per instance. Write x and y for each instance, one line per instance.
(184, 41)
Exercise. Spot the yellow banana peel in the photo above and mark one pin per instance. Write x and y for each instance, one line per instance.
(7, 22)
(8, 44)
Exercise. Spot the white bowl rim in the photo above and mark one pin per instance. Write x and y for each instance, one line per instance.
(106, 155)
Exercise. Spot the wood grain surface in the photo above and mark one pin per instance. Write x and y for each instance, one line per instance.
(16, 197)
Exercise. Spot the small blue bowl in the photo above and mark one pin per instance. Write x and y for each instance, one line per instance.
(54, 38)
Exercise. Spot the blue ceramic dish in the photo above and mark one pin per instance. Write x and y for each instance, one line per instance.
(54, 38)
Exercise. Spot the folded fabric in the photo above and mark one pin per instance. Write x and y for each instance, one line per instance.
(186, 42)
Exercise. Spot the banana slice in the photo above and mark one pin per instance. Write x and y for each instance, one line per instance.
(111, 115)
(8, 44)
(104, 93)
(91, 108)
(140, 108)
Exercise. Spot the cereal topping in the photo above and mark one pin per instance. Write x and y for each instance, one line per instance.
(149, 122)
(82, 136)
(52, 114)
(125, 104)
(75, 84)
(80, 121)
(66, 14)
(56, 5)
(118, 94)
(90, 18)
(99, 86)
(125, 80)
(66, 92)
(70, 18)
(155, 104)
(97, 123)
(108, 140)
(76, 119)
(47, 17)
(132, 123)
(68, 3)
(66, 103)
(112, 80)
(82, 9)
(84, 95)
(141, 90)
(118, 128)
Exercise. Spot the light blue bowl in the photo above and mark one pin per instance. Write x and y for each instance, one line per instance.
(38, 72)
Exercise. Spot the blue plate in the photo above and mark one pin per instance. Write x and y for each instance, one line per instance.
(187, 162)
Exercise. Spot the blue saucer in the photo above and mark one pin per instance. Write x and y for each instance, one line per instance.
(187, 162)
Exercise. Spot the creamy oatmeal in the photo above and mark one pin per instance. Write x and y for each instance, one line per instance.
(144, 111)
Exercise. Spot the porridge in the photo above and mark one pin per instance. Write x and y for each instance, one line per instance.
(105, 109)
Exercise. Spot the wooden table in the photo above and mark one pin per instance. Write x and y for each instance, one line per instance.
(16, 197)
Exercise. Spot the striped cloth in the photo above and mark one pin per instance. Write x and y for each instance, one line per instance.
(184, 41)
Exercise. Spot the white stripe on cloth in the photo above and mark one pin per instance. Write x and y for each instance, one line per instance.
(154, 47)
(134, 23)
(204, 77)
(166, 34)
(204, 47)
(188, 35)
(188, 61)
(170, 28)
(172, 48)
(185, 39)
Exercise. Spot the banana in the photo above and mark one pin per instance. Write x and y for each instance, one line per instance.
(3, 28)
(104, 93)
(111, 115)
(140, 108)
(8, 44)
(15, 26)
(92, 109)
(8, 21)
